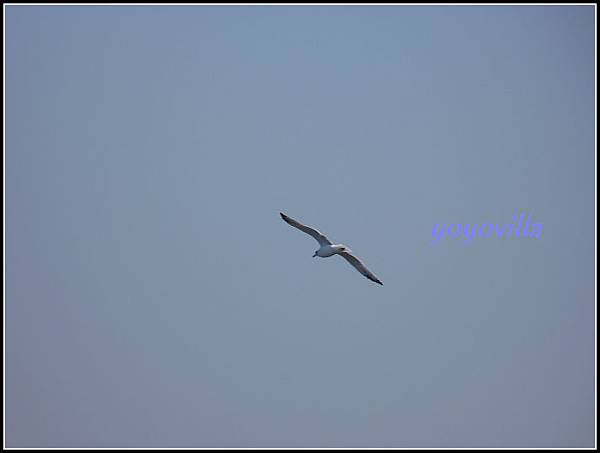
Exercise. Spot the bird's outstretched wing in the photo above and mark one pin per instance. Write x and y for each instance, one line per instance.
(360, 267)
(321, 238)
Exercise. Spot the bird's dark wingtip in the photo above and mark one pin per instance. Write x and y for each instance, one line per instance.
(375, 279)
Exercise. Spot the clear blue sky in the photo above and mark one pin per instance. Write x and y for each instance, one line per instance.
(155, 298)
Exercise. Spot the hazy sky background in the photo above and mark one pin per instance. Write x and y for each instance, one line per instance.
(155, 298)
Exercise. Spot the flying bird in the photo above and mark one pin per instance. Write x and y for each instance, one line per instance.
(328, 249)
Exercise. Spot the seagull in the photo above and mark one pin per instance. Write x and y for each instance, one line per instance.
(328, 249)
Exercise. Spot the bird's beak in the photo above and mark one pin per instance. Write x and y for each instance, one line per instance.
(315, 254)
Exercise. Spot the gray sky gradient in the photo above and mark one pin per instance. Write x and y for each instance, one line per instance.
(155, 298)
